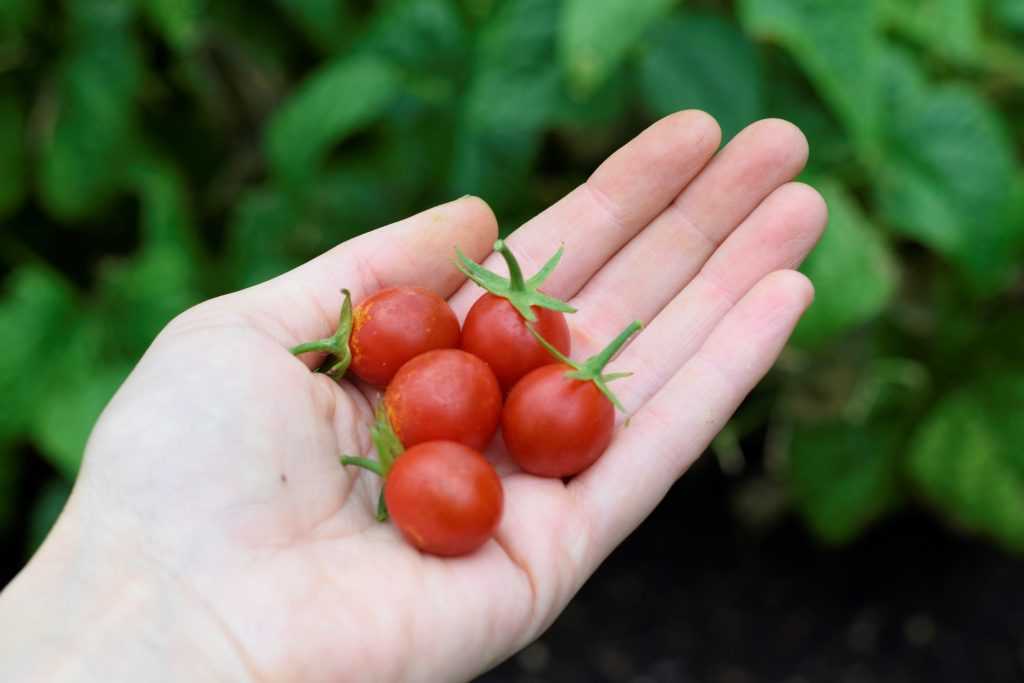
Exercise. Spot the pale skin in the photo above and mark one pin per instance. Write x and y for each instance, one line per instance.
(213, 535)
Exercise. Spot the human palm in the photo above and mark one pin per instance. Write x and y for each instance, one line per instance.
(217, 461)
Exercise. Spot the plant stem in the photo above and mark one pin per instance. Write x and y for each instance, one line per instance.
(365, 463)
(516, 281)
(593, 366)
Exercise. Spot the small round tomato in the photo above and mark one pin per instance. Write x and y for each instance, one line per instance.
(447, 395)
(395, 325)
(496, 332)
(560, 418)
(496, 326)
(444, 497)
(556, 426)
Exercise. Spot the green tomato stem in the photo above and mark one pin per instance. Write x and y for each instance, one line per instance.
(522, 294)
(336, 344)
(388, 447)
(592, 369)
(516, 283)
(365, 463)
(385, 440)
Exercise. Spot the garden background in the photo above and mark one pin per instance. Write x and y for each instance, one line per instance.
(862, 516)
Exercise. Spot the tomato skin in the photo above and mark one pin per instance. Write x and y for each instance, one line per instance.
(496, 332)
(395, 325)
(555, 426)
(444, 497)
(446, 394)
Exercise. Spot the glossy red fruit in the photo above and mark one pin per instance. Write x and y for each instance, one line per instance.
(495, 332)
(444, 497)
(496, 326)
(394, 326)
(555, 426)
(445, 395)
(560, 418)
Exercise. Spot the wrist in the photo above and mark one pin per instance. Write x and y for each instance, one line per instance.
(92, 607)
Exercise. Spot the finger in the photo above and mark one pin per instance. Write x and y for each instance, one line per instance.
(303, 303)
(649, 271)
(777, 235)
(679, 422)
(622, 196)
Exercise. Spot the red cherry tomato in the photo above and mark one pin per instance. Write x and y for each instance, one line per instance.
(445, 395)
(556, 426)
(496, 332)
(395, 325)
(444, 497)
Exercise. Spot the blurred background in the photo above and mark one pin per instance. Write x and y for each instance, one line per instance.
(862, 517)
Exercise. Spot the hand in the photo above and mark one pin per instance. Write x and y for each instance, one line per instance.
(212, 530)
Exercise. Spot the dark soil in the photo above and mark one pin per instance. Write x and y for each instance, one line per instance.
(692, 598)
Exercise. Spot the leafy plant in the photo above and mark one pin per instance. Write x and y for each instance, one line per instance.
(156, 152)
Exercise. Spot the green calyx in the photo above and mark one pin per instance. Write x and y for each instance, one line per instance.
(388, 449)
(336, 344)
(521, 293)
(592, 369)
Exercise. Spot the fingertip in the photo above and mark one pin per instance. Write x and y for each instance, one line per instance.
(811, 202)
(697, 127)
(789, 146)
(795, 288)
(476, 226)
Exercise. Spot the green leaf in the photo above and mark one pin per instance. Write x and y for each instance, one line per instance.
(845, 476)
(339, 99)
(947, 179)
(166, 219)
(17, 15)
(93, 130)
(837, 44)
(853, 271)
(596, 36)
(137, 297)
(967, 459)
(326, 22)
(701, 61)
(950, 29)
(1009, 13)
(792, 99)
(36, 314)
(593, 118)
(424, 37)
(515, 83)
(513, 94)
(12, 154)
(259, 237)
(73, 399)
(179, 21)
(46, 510)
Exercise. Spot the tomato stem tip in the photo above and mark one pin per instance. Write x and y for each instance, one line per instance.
(592, 369)
(522, 293)
(336, 344)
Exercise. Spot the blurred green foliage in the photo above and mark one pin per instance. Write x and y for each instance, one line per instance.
(156, 152)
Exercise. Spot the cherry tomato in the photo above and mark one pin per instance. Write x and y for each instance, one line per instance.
(495, 332)
(446, 395)
(496, 326)
(444, 497)
(556, 426)
(395, 325)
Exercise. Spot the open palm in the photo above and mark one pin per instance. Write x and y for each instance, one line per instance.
(216, 465)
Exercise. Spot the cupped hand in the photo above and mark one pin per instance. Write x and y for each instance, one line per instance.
(211, 500)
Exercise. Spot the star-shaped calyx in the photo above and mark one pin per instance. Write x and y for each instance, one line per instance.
(521, 293)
